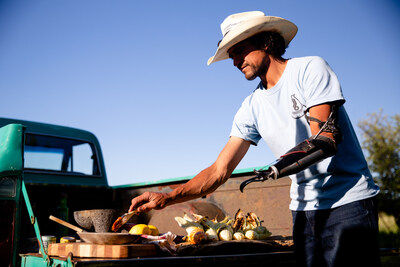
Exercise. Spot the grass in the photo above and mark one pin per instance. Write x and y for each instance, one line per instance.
(389, 234)
(389, 237)
(387, 224)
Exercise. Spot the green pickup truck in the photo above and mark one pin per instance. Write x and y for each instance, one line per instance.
(54, 170)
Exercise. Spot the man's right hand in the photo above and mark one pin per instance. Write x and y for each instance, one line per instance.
(206, 182)
(148, 201)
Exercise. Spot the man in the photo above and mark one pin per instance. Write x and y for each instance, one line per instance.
(298, 110)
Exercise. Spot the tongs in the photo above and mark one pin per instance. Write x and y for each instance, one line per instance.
(261, 176)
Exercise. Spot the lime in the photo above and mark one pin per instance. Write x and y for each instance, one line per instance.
(140, 229)
(154, 230)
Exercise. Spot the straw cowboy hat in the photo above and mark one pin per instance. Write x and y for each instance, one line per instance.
(240, 26)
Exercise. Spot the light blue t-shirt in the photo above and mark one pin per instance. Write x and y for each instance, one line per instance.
(277, 116)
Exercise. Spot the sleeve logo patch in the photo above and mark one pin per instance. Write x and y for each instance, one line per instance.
(298, 109)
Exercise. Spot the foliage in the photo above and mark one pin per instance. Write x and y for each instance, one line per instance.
(381, 142)
(389, 234)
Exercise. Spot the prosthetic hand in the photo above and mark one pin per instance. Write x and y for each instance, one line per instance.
(261, 176)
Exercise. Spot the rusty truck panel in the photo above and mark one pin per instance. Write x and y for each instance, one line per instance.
(269, 200)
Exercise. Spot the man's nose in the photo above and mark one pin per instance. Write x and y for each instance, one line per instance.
(236, 61)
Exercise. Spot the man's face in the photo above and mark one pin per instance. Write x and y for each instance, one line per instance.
(252, 61)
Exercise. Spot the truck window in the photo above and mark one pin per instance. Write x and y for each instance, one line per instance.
(56, 154)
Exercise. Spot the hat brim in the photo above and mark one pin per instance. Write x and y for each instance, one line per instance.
(247, 29)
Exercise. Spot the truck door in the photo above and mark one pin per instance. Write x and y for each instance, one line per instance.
(11, 165)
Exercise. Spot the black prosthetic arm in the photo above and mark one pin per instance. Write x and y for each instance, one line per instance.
(302, 156)
(305, 154)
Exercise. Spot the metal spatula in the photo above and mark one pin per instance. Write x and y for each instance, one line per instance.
(122, 220)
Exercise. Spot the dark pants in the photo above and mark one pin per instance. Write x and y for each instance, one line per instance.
(343, 236)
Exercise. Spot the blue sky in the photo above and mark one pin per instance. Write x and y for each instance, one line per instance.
(135, 73)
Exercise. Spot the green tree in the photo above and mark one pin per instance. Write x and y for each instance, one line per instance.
(381, 142)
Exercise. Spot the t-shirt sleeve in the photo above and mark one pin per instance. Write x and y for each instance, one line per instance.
(244, 125)
(320, 84)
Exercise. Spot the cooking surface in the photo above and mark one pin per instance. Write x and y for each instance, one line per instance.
(87, 250)
(272, 244)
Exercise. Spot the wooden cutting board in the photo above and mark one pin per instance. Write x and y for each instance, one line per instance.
(87, 250)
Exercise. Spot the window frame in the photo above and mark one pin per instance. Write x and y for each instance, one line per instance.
(96, 168)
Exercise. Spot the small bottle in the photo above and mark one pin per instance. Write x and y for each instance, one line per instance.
(67, 239)
(62, 212)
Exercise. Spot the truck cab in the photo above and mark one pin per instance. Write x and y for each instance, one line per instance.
(63, 170)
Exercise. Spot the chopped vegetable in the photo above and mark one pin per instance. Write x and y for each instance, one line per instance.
(251, 234)
(238, 236)
(194, 230)
(251, 222)
(253, 219)
(240, 220)
(213, 227)
(212, 234)
(197, 236)
(225, 235)
(244, 226)
(262, 232)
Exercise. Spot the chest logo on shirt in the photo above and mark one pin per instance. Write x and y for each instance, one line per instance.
(298, 109)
